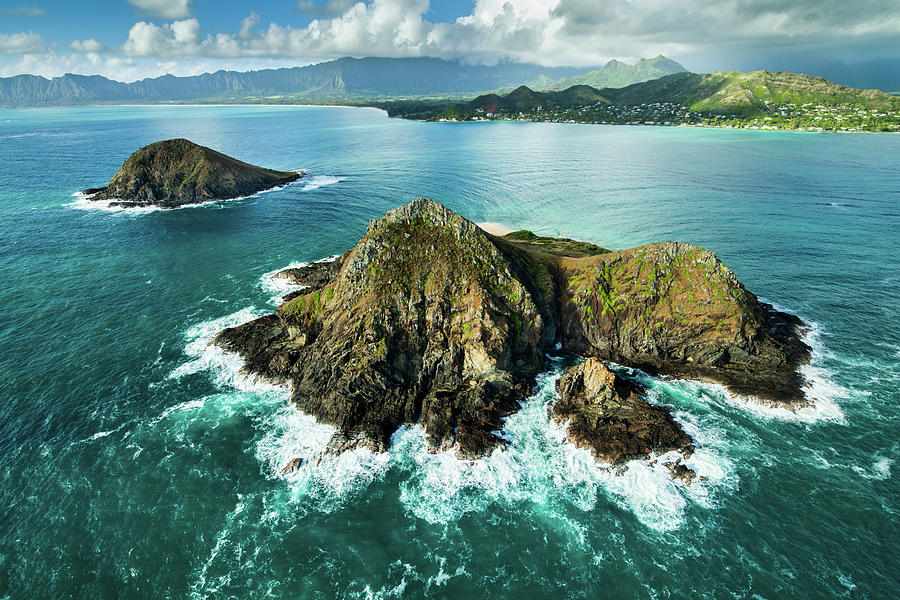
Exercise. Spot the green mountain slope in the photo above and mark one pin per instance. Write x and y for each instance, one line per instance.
(747, 94)
(526, 99)
(743, 95)
(617, 74)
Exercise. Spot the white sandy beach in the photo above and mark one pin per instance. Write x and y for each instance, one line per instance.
(495, 228)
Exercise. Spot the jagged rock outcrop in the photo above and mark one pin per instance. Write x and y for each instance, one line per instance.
(176, 172)
(430, 320)
(608, 415)
(312, 276)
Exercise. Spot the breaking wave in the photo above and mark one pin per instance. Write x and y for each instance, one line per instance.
(224, 366)
(318, 181)
(537, 465)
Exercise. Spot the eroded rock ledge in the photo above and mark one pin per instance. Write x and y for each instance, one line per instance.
(172, 173)
(430, 320)
(609, 416)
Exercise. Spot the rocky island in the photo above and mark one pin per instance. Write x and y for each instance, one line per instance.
(173, 173)
(431, 320)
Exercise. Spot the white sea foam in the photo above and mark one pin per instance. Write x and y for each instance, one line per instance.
(879, 471)
(646, 487)
(538, 464)
(325, 478)
(318, 181)
(201, 588)
(83, 202)
(288, 433)
(278, 286)
(883, 468)
(184, 407)
(822, 391)
(225, 366)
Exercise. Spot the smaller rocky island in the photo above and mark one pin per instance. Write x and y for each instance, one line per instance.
(430, 320)
(176, 172)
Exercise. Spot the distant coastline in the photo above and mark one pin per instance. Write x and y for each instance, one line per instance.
(448, 121)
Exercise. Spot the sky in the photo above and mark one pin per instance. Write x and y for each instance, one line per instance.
(131, 39)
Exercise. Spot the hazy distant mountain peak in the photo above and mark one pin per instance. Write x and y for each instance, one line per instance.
(618, 74)
(342, 79)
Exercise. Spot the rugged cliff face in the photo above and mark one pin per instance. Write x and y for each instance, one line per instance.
(175, 172)
(430, 320)
(425, 322)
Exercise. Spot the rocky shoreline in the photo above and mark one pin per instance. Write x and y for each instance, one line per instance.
(429, 320)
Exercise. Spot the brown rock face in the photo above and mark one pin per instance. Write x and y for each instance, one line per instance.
(675, 309)
(430, 320)
(609, 416)
(424, 323)
(175, 172)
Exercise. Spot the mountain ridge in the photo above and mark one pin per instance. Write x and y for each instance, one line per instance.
(338, 80)
(341, 79)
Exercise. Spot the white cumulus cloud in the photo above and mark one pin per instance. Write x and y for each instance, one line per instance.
(90, 45)
(552, 32)
(21, 43)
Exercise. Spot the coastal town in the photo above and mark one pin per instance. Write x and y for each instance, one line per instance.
(788, 116)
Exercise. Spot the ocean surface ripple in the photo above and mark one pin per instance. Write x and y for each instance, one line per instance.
(139, 462)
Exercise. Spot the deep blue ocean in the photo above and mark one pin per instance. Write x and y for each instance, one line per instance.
(136, 462)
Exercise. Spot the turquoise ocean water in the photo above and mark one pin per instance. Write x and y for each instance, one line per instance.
(137, 463)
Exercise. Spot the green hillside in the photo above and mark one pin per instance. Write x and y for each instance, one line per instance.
(728, 93)
(757, 100)
(747, 94)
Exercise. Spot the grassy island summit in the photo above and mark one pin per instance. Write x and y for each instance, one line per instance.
(176, 172)
(431, 320)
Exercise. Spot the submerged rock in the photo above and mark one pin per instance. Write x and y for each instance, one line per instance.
(430, 320)
(176, 172)
(609, 416)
